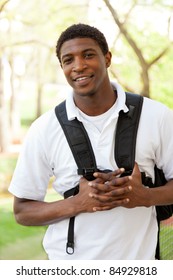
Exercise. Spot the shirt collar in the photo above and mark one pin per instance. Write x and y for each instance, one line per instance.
(72, 110)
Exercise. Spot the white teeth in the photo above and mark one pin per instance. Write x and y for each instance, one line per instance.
(80, 79)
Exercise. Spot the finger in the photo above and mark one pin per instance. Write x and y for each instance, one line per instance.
(100, 186)
(110, 189)
(108, 176)
(122, 202)
(111, 196)
(120, 181)
(99, 197)
(120, 191)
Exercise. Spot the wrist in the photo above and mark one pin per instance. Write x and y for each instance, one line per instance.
(148, 197)
(76, 205)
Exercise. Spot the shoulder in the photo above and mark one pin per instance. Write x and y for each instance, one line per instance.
(44, 128)
(156, 119)
(155, 109)
(44, 118)
(45, 121)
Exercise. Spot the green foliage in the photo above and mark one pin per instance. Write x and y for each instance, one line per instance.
(161, 77)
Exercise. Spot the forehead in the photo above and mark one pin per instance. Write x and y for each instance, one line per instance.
(79, 45)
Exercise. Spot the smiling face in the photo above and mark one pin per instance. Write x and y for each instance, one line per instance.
(85, 66)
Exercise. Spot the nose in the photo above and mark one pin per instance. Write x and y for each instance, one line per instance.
(79, 65)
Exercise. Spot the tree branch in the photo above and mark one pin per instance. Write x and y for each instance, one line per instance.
(121, 82)
(3, 5)
(153, 61)
(125, 33)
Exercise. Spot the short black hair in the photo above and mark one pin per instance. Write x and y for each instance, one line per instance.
(81, 30)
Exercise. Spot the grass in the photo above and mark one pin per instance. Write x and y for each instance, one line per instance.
(15, 232)
(20, 242)
(166, 241)
(29, 248)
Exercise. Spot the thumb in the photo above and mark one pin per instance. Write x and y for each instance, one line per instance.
(83, 180)
(136, 170)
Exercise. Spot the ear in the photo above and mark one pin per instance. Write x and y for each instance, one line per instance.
(108, 58)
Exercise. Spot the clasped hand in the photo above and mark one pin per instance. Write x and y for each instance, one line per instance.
(109, 190)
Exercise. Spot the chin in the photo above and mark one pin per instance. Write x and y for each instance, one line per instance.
(90, 91)
(85, 94)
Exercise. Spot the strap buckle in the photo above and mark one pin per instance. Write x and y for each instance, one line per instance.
(87, 173)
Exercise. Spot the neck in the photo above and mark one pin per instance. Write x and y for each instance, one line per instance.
(97, 103)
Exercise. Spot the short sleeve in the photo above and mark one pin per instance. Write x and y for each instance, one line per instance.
(32, 173)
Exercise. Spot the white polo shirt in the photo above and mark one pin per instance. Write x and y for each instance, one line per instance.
(120, 233)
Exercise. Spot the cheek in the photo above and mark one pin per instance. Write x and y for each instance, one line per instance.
(100, 66)
(101, 70)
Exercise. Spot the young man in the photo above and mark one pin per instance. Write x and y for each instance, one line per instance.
(115, 216)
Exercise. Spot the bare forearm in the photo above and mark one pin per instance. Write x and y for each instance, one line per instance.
(161, 195)
(37, 213)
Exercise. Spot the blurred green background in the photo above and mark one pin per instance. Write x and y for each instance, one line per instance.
(140, 36)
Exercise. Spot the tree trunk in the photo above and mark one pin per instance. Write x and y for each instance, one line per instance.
(145, 83)
(4, 131)
(14, 110)
(39, 99)
(39, 84)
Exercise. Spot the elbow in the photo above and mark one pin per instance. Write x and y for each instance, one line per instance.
(21, 212)
(21, 219)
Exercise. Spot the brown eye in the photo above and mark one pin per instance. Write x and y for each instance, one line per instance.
(67, 61)
(88, 55)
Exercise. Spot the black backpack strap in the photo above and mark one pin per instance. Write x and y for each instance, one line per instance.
(83, 154)
(78, 141)
(127, 127)
(70, 235)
